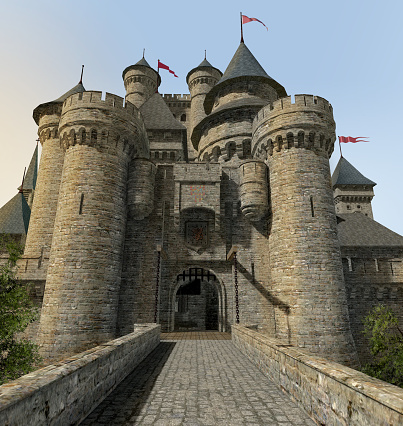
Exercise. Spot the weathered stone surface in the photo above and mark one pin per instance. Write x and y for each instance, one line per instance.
(64, 393)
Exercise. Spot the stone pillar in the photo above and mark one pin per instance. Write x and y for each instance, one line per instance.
(82, 289)
(307, 280)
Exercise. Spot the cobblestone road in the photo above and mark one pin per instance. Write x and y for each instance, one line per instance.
(197, 382)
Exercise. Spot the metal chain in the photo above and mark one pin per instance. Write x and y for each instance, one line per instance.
(157, 286)
(236, 289)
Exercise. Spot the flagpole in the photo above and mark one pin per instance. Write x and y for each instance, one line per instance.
(341, 155)
(241, 29)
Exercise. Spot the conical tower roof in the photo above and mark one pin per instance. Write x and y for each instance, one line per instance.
(346, 174)
(157, 115)
(138, 66)
(243, 66)
(203, 64)
(15, 215)
(42, 107)
(32, 172)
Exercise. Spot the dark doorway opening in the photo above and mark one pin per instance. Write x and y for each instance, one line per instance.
(196, 303)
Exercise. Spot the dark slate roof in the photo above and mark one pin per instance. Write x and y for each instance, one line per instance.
(347, 174)
(42, 107)
(243, 66)
(32, 172)
(240, 103)
(356, 229)
(157, 115)
(141, 63)
(203, 64)
(79, 88)
(14, 216)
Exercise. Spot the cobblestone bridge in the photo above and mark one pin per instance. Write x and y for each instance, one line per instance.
(197, 379)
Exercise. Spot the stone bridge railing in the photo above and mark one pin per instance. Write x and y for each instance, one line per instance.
(66, 392)
(330, 393)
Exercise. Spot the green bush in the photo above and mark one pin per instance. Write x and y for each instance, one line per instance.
(386, 344)
(17, 356)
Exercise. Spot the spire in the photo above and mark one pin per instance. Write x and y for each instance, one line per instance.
(243, 66)
(346, 174)
(32, 172)
(40, 109)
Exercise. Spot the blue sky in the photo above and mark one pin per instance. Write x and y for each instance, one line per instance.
(349, 52)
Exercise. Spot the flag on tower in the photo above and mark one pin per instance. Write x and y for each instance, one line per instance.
(345, 139)
(165, 67)
(246, 19)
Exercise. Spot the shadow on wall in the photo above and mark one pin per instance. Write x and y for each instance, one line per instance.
(129, 397)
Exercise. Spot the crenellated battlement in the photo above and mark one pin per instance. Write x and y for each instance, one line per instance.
(176, 97)
(93, 99)
(305, 121)
(88, 119)
(287, 104)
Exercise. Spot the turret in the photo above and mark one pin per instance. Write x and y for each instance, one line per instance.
(231, 105)
(100, 138)
(353, 192)
(141, 82)
(200, 81)
(305, 264)
(33, 264)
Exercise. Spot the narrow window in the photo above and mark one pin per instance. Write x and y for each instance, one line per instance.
(312, 210)
(183, 117)
(81, 204)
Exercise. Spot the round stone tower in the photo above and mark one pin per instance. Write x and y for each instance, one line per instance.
(305, 263)
(141, 82)
(81, 297)
(40, 231)
(230, 107)
(200, 80)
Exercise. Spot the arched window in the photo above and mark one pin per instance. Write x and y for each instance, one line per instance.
(183, 117)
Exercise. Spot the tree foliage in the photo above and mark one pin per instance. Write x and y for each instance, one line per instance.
(18, 356)
(386, 343)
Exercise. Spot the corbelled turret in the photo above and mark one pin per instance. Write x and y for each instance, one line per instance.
(140, 81)
(40, 233)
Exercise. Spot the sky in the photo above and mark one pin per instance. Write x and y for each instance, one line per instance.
(347, 51)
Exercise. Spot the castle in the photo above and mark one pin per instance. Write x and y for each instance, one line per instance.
(198, 211)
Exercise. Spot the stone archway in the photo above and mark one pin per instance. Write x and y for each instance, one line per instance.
(197, 301)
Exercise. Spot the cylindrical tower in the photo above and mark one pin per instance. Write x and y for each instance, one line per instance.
(33, 265)
(141, 82)
(82, 289)
(253, 189)
(305, 263)
(200, 80)
(140, 188)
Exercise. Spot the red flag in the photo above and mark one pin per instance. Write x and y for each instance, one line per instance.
(346, 139)
(245, 20)
(165, 67)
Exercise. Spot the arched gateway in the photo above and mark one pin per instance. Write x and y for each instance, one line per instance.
(197, 301)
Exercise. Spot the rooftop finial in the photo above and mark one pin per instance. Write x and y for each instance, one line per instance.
(241, 30)
(144, 51)
(205, 53)
(82, 72)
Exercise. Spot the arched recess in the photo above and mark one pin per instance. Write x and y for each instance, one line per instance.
(190, 302)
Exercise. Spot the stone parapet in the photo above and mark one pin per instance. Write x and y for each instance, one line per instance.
(330, 393)
(65, 393)
(87, 119)
(307, 123)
